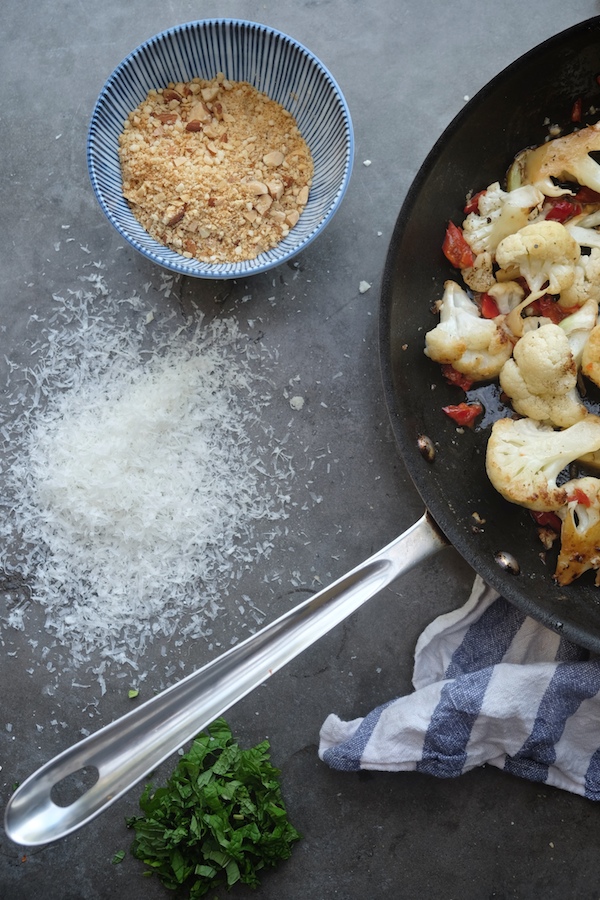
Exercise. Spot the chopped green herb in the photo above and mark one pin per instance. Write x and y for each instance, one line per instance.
(133, 694)
(219, 819)
(118, 857)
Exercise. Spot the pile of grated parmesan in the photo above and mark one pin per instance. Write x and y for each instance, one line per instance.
(135, 466)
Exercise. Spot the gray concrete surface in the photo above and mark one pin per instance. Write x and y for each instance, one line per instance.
(406, 69)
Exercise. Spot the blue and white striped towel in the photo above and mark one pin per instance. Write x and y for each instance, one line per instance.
(491, 686)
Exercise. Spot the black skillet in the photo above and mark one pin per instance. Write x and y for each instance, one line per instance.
(477, 148)
(509, 114)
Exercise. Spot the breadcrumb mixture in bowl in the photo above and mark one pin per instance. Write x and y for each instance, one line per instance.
(220, 148)
(215, 169)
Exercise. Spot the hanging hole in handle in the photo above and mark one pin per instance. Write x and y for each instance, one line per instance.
(74, 786)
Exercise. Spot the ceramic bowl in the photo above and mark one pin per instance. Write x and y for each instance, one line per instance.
(270, 61)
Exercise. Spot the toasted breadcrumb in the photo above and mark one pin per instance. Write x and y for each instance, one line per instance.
(215, 170)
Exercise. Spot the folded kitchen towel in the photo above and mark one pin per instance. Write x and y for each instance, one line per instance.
(491, 686)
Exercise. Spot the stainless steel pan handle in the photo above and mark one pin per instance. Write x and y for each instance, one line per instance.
(135, 744)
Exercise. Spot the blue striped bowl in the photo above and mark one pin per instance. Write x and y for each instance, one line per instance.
(244, 51)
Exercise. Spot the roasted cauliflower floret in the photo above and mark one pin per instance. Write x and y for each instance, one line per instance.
(583, 229)
(480, 276)
(507, 294)
(590, 357)
(500, 213)
(580, 532)
(578, 328)
(524, 458)
(475, 346)
(565, 159)
(541, 378)
(545, 255)
(586, 283)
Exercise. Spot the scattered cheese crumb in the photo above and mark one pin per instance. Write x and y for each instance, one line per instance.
(363, 287)
(297, 402)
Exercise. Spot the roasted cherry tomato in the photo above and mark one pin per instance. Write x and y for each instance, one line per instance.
(464, 413)
(489, 307)
(472, 205)
(548, 307)
(547, 520)
(563, 210)
(456, 249)
(457, 378)
(580, 496)
(587, 195)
